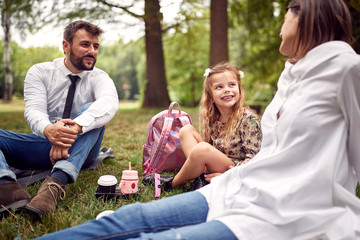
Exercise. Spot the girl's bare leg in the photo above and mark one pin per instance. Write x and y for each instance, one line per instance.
(202, 155)
(189, 137)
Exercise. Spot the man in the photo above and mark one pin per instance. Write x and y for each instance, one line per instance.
(67, 103)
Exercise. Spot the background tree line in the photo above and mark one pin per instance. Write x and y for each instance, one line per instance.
(169, 61)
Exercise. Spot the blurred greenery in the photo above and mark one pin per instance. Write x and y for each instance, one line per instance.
(186, 48)
(254, 27)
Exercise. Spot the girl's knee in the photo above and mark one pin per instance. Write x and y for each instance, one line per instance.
(201, 149)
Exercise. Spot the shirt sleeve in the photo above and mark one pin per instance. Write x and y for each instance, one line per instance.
(349, 96)
(104, 107)
(35, 95)
(251, 136)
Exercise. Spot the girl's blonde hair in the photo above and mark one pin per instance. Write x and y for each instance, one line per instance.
(209, 113)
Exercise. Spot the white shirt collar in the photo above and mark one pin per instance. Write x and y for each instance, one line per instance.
(66, 71)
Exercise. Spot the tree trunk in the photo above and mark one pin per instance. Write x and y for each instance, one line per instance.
(219, 32)
(8, 88)
(156, 93)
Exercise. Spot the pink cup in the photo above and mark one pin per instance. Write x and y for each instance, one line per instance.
(129, 182)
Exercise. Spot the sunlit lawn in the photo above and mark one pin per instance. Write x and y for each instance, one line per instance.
(16, 105)
(125, 134)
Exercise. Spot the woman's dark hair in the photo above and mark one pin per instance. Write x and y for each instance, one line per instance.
(73, 27)
(320, 21)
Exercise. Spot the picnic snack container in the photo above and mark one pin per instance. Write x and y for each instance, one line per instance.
(129, 182)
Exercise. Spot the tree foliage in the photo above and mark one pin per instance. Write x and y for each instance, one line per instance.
(254, 27)
(121, 61)
(187, 53)
(24, 16)
(151, 18)
(21, 60)
(254, 42)
(27, 16)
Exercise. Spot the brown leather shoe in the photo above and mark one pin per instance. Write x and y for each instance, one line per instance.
(46, 199)
(12, 196)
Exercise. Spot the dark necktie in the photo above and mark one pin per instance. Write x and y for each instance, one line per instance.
(70, 96)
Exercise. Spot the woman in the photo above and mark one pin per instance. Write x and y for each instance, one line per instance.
(301, 185)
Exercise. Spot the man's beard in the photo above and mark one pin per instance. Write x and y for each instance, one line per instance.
(79, 63)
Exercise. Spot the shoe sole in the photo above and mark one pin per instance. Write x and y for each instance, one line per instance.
(34, 210)
(15, 205)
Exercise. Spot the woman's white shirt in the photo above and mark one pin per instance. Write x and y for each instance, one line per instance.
(301, 185)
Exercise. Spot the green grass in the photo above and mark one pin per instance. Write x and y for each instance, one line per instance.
(16, 105)
(125, 134)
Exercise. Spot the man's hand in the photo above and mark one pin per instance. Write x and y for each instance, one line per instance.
(61, 135)
(76, 127)
(57, 153)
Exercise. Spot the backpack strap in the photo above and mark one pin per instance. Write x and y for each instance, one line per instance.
(171, 108)
(184, 118)
(154, 160)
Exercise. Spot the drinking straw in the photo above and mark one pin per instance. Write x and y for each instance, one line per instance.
(129, 165)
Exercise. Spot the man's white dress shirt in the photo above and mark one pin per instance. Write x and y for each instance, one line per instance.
(45, 91)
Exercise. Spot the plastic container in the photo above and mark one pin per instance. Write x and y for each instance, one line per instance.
(129, 183)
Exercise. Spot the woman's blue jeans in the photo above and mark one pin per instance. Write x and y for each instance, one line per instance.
(181, 216)
(29, 151)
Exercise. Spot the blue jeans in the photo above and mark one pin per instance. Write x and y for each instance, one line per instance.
(181, 216)
(29, 151)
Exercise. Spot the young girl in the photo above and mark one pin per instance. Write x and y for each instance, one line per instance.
(231, 133)
(301, 185)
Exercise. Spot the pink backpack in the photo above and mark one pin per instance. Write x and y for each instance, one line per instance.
(162, 151)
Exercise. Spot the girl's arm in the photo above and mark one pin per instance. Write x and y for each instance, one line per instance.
(251, 136)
